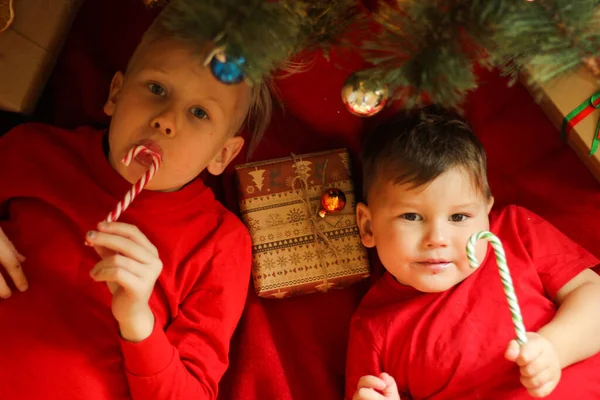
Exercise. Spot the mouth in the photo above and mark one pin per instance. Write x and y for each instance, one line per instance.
(434, 265)
(145, 158)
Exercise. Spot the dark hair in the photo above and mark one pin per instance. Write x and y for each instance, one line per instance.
(418, 146)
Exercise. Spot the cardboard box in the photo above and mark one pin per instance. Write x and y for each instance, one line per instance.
(561, 96)
(28, 50)
(295, 251)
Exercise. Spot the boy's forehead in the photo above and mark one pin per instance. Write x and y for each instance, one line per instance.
(387, 191)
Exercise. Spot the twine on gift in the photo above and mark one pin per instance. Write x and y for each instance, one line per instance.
(320, 237)
(507, 283)
(578, 114)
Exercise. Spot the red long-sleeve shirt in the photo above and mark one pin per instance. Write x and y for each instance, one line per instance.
(59, 340)
(450, 345)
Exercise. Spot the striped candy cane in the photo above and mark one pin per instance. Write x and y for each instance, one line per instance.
(509, 290)
(140, 184)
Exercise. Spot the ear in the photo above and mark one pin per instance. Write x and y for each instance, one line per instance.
(115, 88)
(226, 154)
(363, 219)
(490, 204)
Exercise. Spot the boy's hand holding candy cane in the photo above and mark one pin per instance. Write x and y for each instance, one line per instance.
(130, 263)
(536, 355)
(382, 387)
(538, 363)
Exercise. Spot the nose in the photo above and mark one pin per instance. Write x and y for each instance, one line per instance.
(436, 235)
(165, 123)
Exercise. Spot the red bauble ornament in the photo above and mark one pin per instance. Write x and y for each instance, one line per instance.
(332, 201)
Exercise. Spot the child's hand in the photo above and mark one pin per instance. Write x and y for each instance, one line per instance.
(130, 267)
(11, 260)
(539, 364)
(376, 388)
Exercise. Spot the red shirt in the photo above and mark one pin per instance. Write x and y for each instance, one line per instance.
(451, 345)
(58, 339)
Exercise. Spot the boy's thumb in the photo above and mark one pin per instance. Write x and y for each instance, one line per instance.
(512, 351)
(391, 388)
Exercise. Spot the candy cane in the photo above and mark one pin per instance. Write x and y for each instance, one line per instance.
(140, 184)
(509, 290)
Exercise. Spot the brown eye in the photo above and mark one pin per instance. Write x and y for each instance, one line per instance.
(411, 217)
(458, 217)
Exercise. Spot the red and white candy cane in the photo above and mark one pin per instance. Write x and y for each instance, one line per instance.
(140, 184)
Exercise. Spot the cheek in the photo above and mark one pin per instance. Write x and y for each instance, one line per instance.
(396, 240)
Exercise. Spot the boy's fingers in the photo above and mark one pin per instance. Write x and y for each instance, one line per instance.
(8, 259)
(114, 243)
(119, 261)
(371, 382)
(367, 394)
(390, 383)
(534, 367)
(4, 289)
(512, 351)
(129, 231)
(538, 380)
(528, 352)
(121, 277)
(544, 390)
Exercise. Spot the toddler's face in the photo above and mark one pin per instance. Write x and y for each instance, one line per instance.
(421, 233)
(171, 103)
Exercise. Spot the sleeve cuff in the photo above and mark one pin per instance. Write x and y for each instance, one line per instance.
(150, 356)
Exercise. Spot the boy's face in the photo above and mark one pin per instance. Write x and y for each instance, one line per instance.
(168, 101)
(421, 233)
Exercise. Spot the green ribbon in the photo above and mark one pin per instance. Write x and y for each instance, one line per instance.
(578, 114)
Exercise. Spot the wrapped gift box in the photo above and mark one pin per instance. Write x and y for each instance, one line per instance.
(28, 50)
(295, 250)
(559, 97)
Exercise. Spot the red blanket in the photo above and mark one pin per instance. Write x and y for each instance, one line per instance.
(295, 348)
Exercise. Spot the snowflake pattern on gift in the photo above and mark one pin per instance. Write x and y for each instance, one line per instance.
(295, 215)
(270, 237)
(302, 169)
(249, 189)
(282, 261)
(274, 220)
(295, 259)
(268, 264)
(348, 248)
(253, 224)
(296, 232)
(336, 175)
(288, 234)
(289, 180)
(308, 257)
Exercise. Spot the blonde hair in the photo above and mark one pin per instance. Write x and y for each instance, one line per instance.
(258, 115)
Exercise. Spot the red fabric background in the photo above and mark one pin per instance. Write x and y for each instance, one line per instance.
(295, 348)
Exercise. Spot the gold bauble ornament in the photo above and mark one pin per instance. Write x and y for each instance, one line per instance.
(363, 99)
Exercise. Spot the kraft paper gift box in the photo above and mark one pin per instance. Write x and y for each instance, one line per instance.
(29, 48)
(565, 95)
(296, 251)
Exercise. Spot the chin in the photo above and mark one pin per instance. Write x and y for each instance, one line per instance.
(434, 287)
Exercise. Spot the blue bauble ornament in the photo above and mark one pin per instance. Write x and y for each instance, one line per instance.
(228, 69)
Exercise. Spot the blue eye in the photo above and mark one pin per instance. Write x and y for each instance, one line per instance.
(411, 217)
(156, 89)
(199, 113)
(458, 217)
